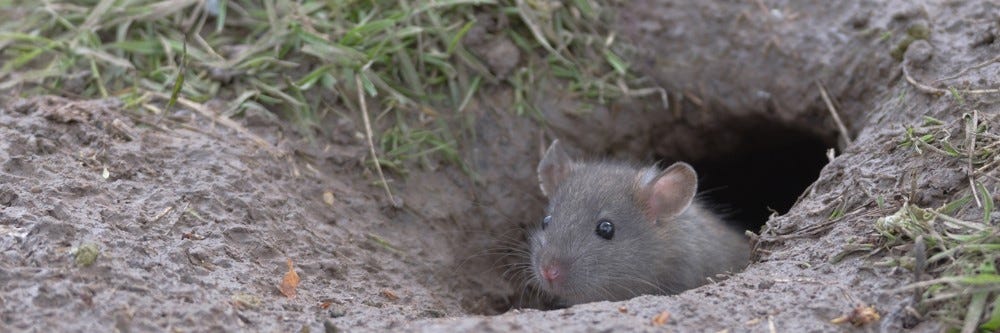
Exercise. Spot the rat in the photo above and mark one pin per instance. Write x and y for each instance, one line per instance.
(613, 231)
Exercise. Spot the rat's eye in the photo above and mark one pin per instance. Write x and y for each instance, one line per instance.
(605, 229)
(545, 221)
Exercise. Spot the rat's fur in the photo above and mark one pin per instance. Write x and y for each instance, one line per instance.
(647, 254)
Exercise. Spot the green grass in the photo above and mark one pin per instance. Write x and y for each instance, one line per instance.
(962, 238)
(301, 59)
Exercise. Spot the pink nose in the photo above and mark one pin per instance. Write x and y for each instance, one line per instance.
(551, 273)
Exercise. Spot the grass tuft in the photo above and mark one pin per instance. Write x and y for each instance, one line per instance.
(299, 59)
(962, 236)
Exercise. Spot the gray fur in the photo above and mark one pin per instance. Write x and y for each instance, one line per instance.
(646, 256)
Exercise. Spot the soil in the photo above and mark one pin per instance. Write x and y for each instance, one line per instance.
(194, 222)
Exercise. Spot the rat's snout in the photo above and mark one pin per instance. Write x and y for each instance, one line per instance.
(553, 273)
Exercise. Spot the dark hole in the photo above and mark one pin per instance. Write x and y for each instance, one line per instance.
(763, 166)
(768, 171)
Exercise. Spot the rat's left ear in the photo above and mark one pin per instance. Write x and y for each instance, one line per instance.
(554, 167)
(672, 191)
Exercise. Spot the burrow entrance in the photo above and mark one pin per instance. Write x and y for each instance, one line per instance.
(764, 171)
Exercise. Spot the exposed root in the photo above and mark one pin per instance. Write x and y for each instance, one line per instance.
(938, 91)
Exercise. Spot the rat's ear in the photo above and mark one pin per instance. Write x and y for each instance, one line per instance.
(672, 191)
(554, 168)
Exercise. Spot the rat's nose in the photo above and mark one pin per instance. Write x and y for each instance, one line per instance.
(551, 272)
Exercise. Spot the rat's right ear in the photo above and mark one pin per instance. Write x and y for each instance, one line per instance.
(554, 168)
(671, 192)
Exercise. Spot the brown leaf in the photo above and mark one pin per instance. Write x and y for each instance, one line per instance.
(289, 282)
(325, 305)
(860, 316)
(863, 315)
(622, 309)
(389, 294)
(661, 319)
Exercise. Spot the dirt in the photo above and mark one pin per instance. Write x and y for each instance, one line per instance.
(194, 222)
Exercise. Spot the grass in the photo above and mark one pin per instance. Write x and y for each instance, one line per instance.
(957, 244)
(301, 59)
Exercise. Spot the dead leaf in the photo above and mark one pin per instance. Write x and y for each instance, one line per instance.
(389, 294)
(325, 305)
(860, 316)
(289, 282)
(864, 315)
(661, 319)
(622, 309)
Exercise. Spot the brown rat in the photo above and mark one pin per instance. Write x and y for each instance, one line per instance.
(613, 231)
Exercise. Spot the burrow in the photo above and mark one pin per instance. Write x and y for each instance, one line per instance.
(754, 125)
(751, 165)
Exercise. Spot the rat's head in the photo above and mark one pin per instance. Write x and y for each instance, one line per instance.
(604, 227)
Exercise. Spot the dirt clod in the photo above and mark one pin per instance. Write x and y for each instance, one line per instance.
(246, 301)
(87, 254)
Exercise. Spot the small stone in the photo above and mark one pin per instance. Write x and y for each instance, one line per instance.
(919, 52)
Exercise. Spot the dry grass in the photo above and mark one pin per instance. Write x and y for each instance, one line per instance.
(957, 245)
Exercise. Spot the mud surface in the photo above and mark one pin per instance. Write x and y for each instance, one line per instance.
(194, 222)
(194, 225)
